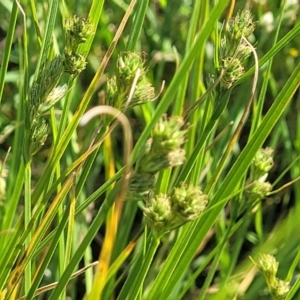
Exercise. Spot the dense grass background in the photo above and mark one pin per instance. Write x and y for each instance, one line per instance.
(57, 211)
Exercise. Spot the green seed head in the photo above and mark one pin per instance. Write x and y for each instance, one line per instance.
(120, 85)
(74, 63)
(233, 69)
(268, 265)
(241, 25)
(163, 150)
(38, 135)
(127, 65)
(262, 162)
(188, 202)
(158, 212)
(234, 49)
(280, 289)
(258, 190)
(77, 31)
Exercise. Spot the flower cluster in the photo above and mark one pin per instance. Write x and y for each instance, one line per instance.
(42, 96)
(261, 165)
(233, 48)
(259, 188)
(262, 162)
(268, 266)
(164, 213)
(163, 150)
(45, 91)
(119, 86)
(77, 31)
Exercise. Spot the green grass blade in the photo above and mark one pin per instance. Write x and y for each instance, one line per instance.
(50, 252)
(93, 229)
(137, 24)
(47, 41)
(8, 44)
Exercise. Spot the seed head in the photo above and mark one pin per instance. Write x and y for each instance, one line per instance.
(262, 162)
(188, 202)
(163, 150)
(38, 136)
(77, 31)
(158, 212)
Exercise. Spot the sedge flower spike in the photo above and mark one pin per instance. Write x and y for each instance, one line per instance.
(127, 65)
(42, 87)
(234, 70)
(119, 86)
(268, 266)
(38, 136)
(234, 49)
(258, 190)
(77, 31)
(240, 26)
(50, 75)
(165, 213)
(262, 162)
(163, 150)
(74, 63)
(188, 202)
(280, 289)
(45, 91)
(158, 212)
(42, 95)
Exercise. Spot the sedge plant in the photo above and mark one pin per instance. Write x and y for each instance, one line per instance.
(149, 150)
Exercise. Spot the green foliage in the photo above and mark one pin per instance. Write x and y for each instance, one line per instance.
(205, 206)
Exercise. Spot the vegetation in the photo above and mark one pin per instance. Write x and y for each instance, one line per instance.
(149, 150)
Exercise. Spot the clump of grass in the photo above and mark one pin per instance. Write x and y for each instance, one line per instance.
(174, 206)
